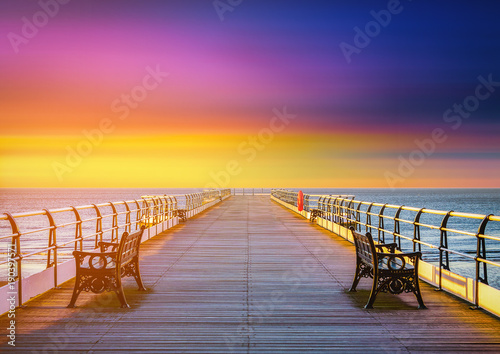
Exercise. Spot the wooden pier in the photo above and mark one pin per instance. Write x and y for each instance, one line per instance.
(249, 276)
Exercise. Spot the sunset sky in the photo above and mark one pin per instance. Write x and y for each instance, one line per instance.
(259, 94)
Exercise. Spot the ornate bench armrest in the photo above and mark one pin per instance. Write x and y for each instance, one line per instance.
(407, 255)
(95, 260)
(390, 246)
(398, 261)
(105, 245)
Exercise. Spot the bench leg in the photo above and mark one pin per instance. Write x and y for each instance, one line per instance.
(76, 293)
(359, 273)
(357, 277)
(373, 294)
(137, 276)
(418, 294)
(121, 295)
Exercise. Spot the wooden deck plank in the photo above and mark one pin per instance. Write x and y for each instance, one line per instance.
(250, 276)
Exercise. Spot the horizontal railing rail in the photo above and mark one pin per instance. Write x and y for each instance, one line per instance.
(251, 191)
(192, 201)
(416, 228)
(51, 235)
(311, 201)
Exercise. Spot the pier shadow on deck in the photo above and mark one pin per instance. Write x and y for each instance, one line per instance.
(250, 276)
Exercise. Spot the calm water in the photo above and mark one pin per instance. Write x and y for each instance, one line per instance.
(480, 201)
(14, 200)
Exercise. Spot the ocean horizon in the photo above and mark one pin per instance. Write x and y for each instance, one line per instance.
(470, 200)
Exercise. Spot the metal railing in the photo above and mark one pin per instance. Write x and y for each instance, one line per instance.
(76, 228)
(192, 201)
(251, 191)
(412, 228)
(311, 201)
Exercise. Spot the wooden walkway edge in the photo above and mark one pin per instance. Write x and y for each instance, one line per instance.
(249, 276)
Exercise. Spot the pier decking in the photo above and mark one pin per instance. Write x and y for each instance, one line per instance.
(250, 276)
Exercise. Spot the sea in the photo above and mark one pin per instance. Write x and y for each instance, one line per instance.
(475, 201)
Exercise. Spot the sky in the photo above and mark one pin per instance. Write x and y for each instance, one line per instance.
(240, 93)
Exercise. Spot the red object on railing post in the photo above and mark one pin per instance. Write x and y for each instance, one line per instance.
(300, 201)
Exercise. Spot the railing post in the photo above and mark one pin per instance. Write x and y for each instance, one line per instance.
(166, 210)
(78, 229)
(159, 210)
(358, 218)
(145, 214)
(156, 214)
(52, 245)
(397, 228)
(16, 243)
(164, 203)
(161, 206)
(416, 231)
(343, 211)
(480, 253)
(98, 225)
(335, 211)
(128, 225)
(369, 218)
(443, 244)
(381, 224)
(175, 207)
(170, 207)
(138, 214)
(114, 224)
(350, 213)
(156, 208)
(329, 208)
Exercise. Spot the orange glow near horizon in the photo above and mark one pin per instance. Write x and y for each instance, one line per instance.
(346, 160)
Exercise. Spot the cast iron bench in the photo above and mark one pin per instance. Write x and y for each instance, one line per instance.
(181, 213)
(102, 271)
(391, 272)
(315, 213)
